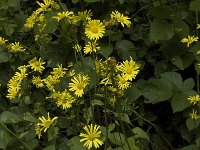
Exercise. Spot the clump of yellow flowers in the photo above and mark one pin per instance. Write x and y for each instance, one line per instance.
(195, 99)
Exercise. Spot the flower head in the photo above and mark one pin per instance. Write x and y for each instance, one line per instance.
(59, 71)
(122, 82)
(77, 48)
(85, 15)
(129, 68)
(194, 99)
(2, 41)
(46, 123)
(91, 136)
(15, 47)
(198, 26)
(124, 20)
(94, 29)
(194, 114)
(38, 82)
(189, 40)
(78, 84)
(91, 47)
(62, 15)
(36, 65)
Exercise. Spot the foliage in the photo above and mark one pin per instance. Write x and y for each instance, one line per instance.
(117, 74)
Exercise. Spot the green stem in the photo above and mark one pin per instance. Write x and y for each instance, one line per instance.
(197, 33)
(16, 137)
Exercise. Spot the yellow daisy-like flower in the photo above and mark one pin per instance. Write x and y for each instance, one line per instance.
(124, 20)
(65, 100)
(36, 65)
(85, 15)
(50, 81)
(15, 47)
(63, 15)
(129, 68)
(59, 71)
(77, 48)
(194, 115)
(122, 82)
(78, 84)
(94, 29)
(91, 47)
(38, 82)
(194, 99)
(46, 123)
(2, 41)
(30, 21)
(91, 137)
(189, 40)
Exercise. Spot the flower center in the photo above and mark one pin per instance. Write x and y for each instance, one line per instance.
(120, 19)
(122, 80)
(128, 70)
(91, 137)
(94, 29)
(80, 86)
(37, 64)
(47, 123)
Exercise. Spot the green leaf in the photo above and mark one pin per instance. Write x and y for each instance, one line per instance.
(123, 116)
(75, 144)
(179, 102)
(156, 90)
(117, 138)
(164, 11)
(97, 102)
(133, 93)
(8, 117)
(174, 78)
(139, 133)
(190, 147)
(195, 5)
(111, 127)
(181, 28)
(106, 49)
(75, 1)
(185, 134)
(52, 133)
(178, 62)
(161, 30)
(29, 117)
(125, 49)
(4, 139)
(3, 55)
(51, 147)
(192, 123)
(131, 141)
(188, 84)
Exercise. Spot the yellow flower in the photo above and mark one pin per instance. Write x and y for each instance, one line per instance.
(65, 100)
(122, 82)
(44, 6)
(124, 20)
(189, 40)
(12, 93)
(46, 123)
(2, 41)
(78, 84)
(110, 22)
(129, 68)
(194, 99)
(59, 71)
(71, 73)
(85, 16)
(194, 114)
(77, 48)
(38, 82)
(63, 15)
(38, 131)
(50, 81)
(36, 65)
(30, 21)
(91, 136)
(113, 100)
(94, 29)
(198, 26)
(91, 47)
(15, 47)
